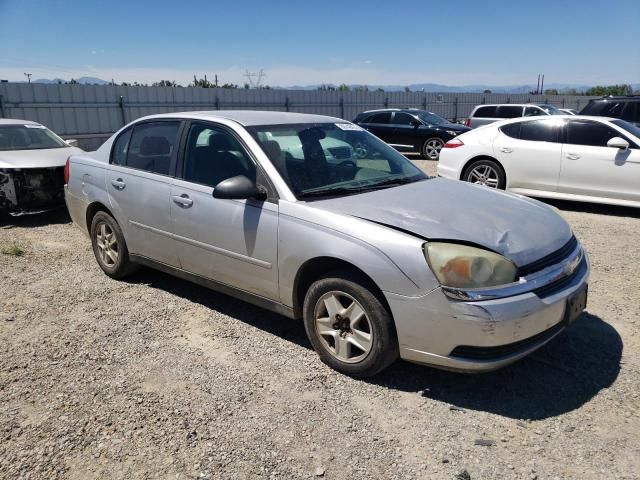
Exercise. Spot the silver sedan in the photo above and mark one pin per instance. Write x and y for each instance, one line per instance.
(315, 218)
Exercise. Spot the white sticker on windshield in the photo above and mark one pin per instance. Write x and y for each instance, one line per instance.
(348, 126)
(35, 126)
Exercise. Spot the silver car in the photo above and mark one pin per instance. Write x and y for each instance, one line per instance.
(378, 259)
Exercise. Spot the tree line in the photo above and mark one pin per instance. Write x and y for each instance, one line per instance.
(600, 90)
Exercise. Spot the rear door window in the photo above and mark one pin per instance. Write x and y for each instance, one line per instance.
(383, 118)
(585, 132)
(153, 147)
(512, 130)
(539, 131)
(509, 111)
(486, 112)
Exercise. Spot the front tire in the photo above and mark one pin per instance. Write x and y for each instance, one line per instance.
(109, 246)
(488, 173)
(349, 327)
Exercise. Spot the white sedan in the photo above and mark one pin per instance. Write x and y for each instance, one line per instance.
(588, 159)
(32, 160)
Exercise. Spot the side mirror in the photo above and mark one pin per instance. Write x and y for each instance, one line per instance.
(72, 142)
(415, 123)
(617, 142)
(239, 188)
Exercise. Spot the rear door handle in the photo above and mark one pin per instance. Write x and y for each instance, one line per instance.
(506, 150)
(182, 200)
(118, 184)
(573, 156)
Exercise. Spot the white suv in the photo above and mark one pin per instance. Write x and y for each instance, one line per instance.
(485, 114)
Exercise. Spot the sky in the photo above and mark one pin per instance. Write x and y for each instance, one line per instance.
(303, 42)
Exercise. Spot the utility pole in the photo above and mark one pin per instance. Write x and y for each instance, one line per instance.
(216, 80)
(28, 75)
(542, 84)
(255, 78)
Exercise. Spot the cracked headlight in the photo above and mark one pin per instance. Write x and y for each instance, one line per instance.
(461, 266)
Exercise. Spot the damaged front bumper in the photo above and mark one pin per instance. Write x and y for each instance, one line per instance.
(31, 190)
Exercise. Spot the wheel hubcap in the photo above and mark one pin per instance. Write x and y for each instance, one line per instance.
(107, 244)
(432, 149)
(484, 175)
(343, 327)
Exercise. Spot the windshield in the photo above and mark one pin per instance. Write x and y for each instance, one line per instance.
(632, 129)
(431, 118)
(551, 110)
(28, 137)
(330, 159)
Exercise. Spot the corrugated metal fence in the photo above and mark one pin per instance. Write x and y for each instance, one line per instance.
(91, 113)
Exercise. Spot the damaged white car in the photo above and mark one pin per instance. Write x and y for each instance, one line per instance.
(32, 160)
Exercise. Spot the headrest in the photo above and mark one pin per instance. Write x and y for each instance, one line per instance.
(219, 141)
(155, 146)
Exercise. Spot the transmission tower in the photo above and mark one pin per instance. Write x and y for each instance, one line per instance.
(255, 79)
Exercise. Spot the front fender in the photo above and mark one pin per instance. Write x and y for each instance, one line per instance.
(388, 257)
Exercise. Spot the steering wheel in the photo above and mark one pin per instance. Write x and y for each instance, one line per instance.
(347, 169)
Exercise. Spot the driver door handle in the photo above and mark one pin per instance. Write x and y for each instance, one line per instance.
(182, 200)
(506, 150)
(118, 184)
(573, 156)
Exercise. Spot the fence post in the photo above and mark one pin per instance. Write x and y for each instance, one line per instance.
(424, 103)
(217, 102)
(508, 99)
(2, 107)
(386, 102)
(578, 104)
(286, 103)
(563, 102)
(455, 112)
(122, 112)
(342, 107)
(484, 99)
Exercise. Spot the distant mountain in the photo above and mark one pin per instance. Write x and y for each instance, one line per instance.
(81, 80)
(439, 88)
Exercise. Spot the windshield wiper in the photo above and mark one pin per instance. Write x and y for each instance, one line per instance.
(360, 188)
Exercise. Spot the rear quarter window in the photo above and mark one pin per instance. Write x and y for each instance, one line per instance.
(485, 112)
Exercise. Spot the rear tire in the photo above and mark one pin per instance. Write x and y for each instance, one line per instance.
(488, 173)
(431, 148)
(110, 247)
(348, 326)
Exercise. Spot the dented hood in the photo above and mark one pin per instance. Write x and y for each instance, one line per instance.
(521, 229)
(37, 158)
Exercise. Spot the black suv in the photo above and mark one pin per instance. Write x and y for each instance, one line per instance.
(411, 130)
(623, 107)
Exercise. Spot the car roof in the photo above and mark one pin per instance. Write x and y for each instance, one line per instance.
(551, 118)
(251, 117)
(617, 97)
(408, 110)
(15, 121)
(512, 104)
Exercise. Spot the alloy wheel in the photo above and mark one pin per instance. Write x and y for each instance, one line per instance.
(343, 327)
(484, 175)
(107, 243)
(432, 148)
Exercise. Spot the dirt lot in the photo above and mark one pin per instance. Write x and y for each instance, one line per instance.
(157, 378)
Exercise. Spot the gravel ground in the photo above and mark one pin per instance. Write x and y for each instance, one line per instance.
(154, 377)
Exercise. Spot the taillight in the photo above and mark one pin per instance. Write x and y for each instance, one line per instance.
(454, 143)
(467, 122)
(66, 172)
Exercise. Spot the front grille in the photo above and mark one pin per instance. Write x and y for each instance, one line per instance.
(551, 259)
(559, 285)
(468, 352)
